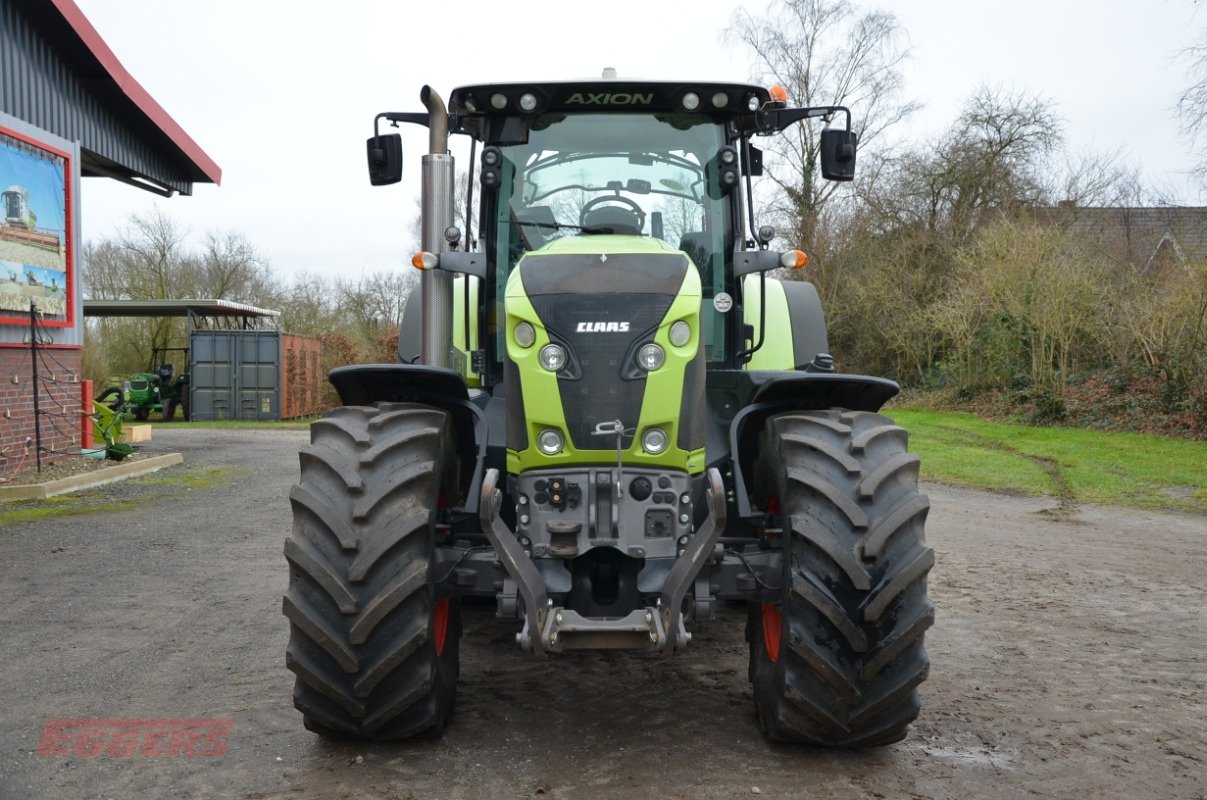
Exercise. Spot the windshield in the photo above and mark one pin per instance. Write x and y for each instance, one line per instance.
(635, 174)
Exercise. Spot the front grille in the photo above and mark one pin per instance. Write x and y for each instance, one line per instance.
(601, 394)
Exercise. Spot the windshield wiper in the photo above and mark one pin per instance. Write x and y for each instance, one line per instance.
(557, 225)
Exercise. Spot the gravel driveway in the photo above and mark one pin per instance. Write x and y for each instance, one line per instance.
(1067, 662)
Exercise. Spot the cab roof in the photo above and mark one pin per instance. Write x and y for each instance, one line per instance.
(607, 94)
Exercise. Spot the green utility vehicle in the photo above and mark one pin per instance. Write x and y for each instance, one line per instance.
(609, 418)
(160, 390)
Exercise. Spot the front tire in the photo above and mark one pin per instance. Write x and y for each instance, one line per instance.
(837, 661)
(374, 650)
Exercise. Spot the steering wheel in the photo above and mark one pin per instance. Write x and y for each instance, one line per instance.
(611, 198)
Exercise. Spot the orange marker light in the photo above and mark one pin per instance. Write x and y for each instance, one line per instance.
(778, 94)
(424, 260)
(795, 259)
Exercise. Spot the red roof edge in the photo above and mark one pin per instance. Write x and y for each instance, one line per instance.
(132, 89)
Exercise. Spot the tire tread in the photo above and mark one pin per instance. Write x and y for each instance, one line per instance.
(854, 609)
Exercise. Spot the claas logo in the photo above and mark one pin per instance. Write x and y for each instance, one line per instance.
(602, 327)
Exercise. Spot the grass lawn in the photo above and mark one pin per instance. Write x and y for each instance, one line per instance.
(156, 488)
(1076, 464)
(1082, 465)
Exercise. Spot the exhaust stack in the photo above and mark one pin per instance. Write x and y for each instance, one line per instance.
(436, 215)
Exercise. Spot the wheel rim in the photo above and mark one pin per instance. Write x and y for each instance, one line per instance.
(440, 623)
(772, 621)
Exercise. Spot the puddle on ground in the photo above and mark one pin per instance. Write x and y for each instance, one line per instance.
(969, 756)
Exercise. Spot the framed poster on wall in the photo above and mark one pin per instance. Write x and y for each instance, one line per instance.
(36, 254)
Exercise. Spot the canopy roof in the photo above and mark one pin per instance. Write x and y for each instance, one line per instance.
(173, 308)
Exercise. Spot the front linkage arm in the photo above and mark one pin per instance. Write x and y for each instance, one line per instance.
(548, 629)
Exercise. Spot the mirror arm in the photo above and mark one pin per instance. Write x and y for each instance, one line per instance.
(413, 117)
(778, 120)
(749, 189)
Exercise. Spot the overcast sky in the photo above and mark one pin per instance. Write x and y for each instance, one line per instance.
(282, 94)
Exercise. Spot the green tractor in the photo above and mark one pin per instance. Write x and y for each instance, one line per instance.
(609, 418)
(160, 390)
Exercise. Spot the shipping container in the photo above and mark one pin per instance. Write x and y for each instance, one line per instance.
(253, 375)
(301, 375)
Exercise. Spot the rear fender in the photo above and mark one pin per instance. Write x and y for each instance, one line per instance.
(366, 384)
(795, 391)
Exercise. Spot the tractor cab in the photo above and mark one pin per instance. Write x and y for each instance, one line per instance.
(589, 161)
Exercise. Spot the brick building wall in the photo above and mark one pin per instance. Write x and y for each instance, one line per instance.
(59, 396)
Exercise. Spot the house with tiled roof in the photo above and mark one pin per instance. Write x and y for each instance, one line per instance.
(1149, 239)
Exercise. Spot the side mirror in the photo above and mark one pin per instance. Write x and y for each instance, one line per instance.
(385, 159)
(838, 154)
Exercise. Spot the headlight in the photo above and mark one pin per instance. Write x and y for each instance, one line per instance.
(651, 357)
(553, 357)
(525, 334)
(680, 333)
(549, 441)
(654, 440)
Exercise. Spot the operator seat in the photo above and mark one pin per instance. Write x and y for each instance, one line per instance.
(537, 224)
(615, 218)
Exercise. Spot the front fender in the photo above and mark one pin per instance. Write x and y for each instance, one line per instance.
(795, 391)
(366, 384)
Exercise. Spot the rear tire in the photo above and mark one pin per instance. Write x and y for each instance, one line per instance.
(838, 660)
(374, 650)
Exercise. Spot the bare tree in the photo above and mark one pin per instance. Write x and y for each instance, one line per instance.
(824, 52)
(375, 301)
(230, 268)
(150, 258)
(994, 159)
(1192, 104)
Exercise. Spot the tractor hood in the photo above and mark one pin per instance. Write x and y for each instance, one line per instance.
(602, 298)
(604, 264)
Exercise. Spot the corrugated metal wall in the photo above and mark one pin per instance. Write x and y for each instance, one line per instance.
(37, 86)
